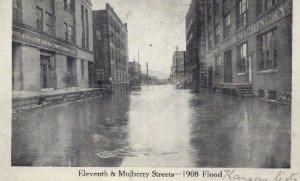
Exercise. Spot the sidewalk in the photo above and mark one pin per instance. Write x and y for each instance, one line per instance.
(23, 100)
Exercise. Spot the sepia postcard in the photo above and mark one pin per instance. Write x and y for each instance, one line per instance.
(149, 90)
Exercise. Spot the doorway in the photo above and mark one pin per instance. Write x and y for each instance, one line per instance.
(210, 77)
(227, 67)
(48, 74)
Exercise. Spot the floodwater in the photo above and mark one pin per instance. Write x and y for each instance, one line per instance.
(158, 126)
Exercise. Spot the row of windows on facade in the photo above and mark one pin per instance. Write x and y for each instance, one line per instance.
(45, 21)
(116, 27)
(115, 39)
(119, 75)
(241, 20)
(266, 54)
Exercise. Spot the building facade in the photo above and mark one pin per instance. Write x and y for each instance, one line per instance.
(195, 66)
(249, 43)
(110, 49)
(178, 65)
(52, 44)
(135, 72)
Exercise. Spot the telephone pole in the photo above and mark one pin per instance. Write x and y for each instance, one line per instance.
(139, 73)
(147, 74)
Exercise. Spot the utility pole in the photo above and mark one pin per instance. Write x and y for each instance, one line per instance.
(139, 73)
(147, 74)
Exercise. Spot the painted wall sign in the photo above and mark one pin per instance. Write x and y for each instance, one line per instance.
(282, 11)
(25, 36)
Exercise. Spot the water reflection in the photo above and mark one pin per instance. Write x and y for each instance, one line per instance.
(158, 126)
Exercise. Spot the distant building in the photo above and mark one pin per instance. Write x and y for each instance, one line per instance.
(52, 44)
(250, 47)
(110, 49)
(135, 72)
(178, 66)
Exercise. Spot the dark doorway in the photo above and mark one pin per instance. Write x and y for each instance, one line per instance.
(210, 77)
(227, 67)
(48, 73)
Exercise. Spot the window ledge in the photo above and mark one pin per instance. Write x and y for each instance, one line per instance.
(244, 73)
(268, 71)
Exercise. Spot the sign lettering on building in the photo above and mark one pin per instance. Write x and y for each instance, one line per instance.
(282, 11)
(25, 36)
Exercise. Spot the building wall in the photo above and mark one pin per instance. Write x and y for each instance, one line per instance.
(276, 79)
(111, 52)
(29, 43)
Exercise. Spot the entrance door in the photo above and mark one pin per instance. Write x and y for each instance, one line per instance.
(227, 67)
(91, 72)
(250, 69)
(48, 74)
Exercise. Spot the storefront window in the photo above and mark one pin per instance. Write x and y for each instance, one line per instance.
(82, 69)
(267, 54)
(242, 58)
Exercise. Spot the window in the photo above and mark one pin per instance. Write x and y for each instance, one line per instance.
(66, 31)
(267, 50)
(227, 26)
(82, 69)
(71, 34)
(217, 33)
(209, 12)
(98, 35)
(17, 12)
(87, 29)
(242, 13)
(39, 18)
(242, 58)
(217, 65)
(49, 24)
(217, 5)
(210, 40)
(264, 5)
(83, 27)
(69, 5)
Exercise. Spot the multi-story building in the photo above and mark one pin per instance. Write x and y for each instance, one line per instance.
(178, 66)
(110, 49)
(135, 72)
(52, 44)
(249, 45)
(195, 42)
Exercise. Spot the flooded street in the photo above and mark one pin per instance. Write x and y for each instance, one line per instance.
(158, 126)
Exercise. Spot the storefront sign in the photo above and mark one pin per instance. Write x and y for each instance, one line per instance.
(282, 11)
(26, 36)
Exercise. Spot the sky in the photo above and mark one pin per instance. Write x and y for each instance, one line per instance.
(155, 28)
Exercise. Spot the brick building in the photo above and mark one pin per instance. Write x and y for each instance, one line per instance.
(52, 43)
(195, 66)
(249, 47)
(110, 49)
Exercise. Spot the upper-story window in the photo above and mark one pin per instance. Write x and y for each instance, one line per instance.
(66, 31)
(39, 18)
(227, 23)
(69, 5)
(242, 58)
(267, 50)
(49, 24)
(264, 5)
(71, 34)
(217, 33)
(242, 13)
(209, 12)
(210, 39)
(17, 10)
(217, 6)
